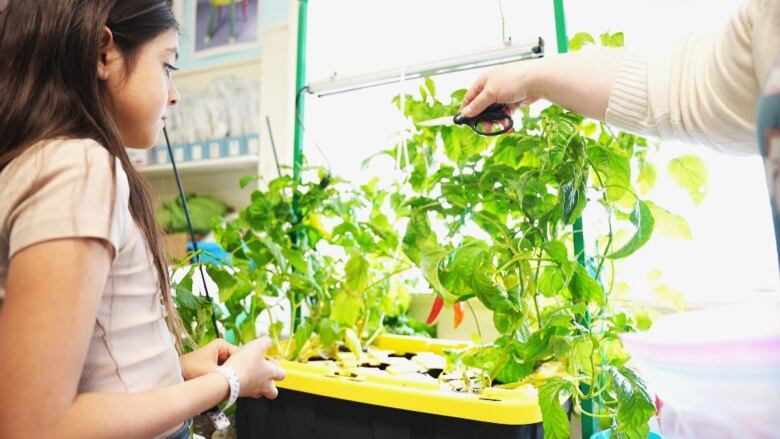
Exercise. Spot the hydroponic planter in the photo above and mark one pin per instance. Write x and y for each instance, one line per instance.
(392, 392)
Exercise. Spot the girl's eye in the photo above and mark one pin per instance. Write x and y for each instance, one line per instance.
(169, 68)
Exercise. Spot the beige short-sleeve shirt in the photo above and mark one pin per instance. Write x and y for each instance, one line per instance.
(66, 189)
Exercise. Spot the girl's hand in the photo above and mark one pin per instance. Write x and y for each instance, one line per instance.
(206, 359)
(256, 374)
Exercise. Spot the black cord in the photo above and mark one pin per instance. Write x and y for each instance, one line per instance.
(273, 145)
(325, 180)
(191, 230)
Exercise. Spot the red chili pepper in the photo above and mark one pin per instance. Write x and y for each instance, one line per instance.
(458, 307)
(438, 303)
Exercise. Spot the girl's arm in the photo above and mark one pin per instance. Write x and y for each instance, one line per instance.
(52, 297)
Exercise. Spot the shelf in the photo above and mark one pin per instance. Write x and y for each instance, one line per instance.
(217, 67)
(237, 163)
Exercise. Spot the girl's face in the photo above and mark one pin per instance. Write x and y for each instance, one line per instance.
(142, 92)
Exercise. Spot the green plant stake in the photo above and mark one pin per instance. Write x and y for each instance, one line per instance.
(589, 424)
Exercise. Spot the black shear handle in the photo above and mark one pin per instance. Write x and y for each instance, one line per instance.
(493, 114)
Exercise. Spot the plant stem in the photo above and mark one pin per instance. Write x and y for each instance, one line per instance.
(538, 314)
(609, 219)
(503, 360)
(592, 372)
(593, 415)
(267, 308)
(377, 331)
(476, 320)
(599, 392)
(536, 290)
(293, 308)
(385, 277)
(523, 258)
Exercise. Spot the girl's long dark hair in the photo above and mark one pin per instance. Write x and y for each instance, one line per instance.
(49, 88)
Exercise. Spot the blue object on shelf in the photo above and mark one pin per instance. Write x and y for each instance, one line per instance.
(605, 434)
(235, 146)
(212, 252)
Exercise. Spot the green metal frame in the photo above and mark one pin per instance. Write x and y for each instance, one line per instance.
(300, 87)
(300, 84)
(589, 424)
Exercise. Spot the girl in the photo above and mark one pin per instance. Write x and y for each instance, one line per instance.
(86, 348)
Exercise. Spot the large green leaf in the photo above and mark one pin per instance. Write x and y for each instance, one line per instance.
(579, 40)
(514, 370)
(643, 222)
(554, 419)
(503, 322)
(357, 273)
(247, 331)
(551, 281)
(226, 283)
(430, 259)
(328, 331)
(670, 297)
(458, 276)
(418, 235)
(184, 297)
(430, 86)
(582, 353)
(490, 295)
(584, 288)
(297, 260)
(569, 200)
(419, 171)
(276, 251)
(690, 172)
(612, 40)
(302, 334)
(305, 283)
(646, 177)
(452, 143)
(612, 170)
(635, 404)
(275, 330)
(346, 308)
(557, 251)
(538, 346)
(669, 224)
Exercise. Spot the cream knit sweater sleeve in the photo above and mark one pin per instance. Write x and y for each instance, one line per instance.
(705, 89)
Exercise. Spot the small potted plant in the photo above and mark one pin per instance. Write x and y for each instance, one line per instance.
(204, 212)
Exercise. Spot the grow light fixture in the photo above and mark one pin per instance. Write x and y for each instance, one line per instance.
(475, 59)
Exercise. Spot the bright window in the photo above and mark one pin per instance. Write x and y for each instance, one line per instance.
(732, 255)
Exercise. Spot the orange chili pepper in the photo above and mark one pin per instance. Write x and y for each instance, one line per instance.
(458, 307)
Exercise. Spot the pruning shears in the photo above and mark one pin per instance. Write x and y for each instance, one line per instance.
(494, 120)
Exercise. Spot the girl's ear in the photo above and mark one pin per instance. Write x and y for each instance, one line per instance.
(108, 55)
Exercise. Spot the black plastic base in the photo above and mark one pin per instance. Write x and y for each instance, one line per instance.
(298, 415)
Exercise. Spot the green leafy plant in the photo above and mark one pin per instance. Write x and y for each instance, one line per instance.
(331, 253)
(492, 219)
(481, 217)
(204, 211)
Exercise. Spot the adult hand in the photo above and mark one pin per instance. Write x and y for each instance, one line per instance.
(511, 84)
